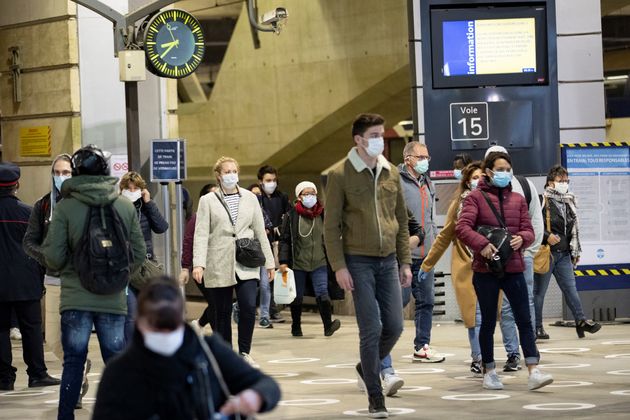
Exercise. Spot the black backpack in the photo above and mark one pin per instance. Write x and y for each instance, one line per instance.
(103, 255)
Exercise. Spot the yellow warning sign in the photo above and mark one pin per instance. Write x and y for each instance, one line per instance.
(35, 141)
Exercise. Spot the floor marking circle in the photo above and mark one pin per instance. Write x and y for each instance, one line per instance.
(342, 366)
(564, 365)
(475, 397)
(410, 356)
(619, 372)
(479, 378)
(395, 411)
(93, 374)
(414, 388)
(329, 381)
(420, 371)
(296, 360)
(618, 356)
(85, 400)
(616, 342)
(565, 350)
(568, 384)
(26, 393)
(307, 402)
(283, 375)
(625, 392)
(559, 406)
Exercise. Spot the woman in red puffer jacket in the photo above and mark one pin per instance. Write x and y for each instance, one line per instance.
(476, 211)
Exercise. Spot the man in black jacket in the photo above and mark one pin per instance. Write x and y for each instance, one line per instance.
(169, 373)
(21, 287)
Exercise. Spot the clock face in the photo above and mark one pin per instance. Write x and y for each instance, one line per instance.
(173, 44)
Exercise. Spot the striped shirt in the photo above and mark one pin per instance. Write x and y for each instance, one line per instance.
(232, 201)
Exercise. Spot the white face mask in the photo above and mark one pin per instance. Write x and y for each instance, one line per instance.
(270, 187)
(229, 180)
(165, 344)
(561, 187)
(59, 179)
(132, 196)
(474, 183)
(375, 146)
(309, 201)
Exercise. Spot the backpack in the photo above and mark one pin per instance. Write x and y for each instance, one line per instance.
(103, 255)
(527, 191)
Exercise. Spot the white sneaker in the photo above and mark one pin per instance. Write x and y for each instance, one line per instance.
(249, 359)
(360, 382)
(15, 334)
(538, 379)
(391, 384)
(492, 381)
(427, 355)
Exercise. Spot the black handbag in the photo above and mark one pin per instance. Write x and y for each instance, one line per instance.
(500, 237)
(248, 250)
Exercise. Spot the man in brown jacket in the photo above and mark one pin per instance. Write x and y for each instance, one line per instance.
(366, 232)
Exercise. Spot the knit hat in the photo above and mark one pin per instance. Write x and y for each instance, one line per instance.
(9, 174)
(304, 185)
(496, 148)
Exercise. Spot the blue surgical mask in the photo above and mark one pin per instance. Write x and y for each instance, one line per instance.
(375, 147)
(58, 179)
(474, 183)
(309, 201)
(421, 166)
(501, 179)
(457, 173)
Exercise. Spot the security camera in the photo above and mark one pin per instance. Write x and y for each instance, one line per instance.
(275, 16)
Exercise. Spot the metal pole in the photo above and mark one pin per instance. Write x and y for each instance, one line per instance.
(167, 215)
(133, 127)
(179, 216)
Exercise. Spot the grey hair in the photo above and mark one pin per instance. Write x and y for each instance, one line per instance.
(410, 146)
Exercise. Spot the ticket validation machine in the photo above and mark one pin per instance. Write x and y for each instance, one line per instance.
(490, 77)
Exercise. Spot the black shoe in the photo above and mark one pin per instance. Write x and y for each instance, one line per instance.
(334, 326)
(588, 326)
(541, 334)
(376, 409)
(296, 331)
(45, 380)
(475, 369)
(513, 364)
(6, 386)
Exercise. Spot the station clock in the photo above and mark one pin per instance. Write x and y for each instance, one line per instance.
(173, 44)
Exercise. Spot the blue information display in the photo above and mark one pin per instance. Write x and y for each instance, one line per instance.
(168, 160)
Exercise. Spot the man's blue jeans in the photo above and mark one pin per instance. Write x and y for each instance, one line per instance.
(507, 324)
(265, 293)
(561, 267)
(76, 327)
(378, 308)
(473, 337)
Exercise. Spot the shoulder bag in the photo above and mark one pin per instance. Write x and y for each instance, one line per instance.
(500, 237)
(542, 259)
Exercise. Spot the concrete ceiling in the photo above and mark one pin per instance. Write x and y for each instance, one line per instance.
(212, 9)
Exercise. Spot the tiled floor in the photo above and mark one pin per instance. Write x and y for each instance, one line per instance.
(592, 377)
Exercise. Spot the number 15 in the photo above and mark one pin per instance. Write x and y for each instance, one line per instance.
(475, 126)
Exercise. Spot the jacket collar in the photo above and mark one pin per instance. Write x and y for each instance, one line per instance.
(359, 165)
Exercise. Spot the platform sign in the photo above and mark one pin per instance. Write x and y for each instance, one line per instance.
(168, 160)
(469, 121)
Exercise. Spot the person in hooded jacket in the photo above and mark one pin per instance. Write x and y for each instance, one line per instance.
(133, 187)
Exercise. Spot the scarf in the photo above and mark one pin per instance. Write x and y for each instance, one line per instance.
(570, 200)
(310, 213)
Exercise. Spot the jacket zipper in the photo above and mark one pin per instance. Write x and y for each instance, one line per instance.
(378, 220)
(423, 196)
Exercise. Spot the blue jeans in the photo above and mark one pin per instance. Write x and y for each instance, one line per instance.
(76, 327)
(561, 267)
(473, 337)
(130, 319)
(487, 287)
(265, 293)
(507, 324)
(319, 277)
(378, 308)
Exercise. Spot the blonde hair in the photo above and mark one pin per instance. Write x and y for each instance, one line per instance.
(134, 177)
(221, 161)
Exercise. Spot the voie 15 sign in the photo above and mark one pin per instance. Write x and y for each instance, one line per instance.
(168, 160)
(469, 121)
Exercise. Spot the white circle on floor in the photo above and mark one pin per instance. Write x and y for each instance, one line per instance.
(559, 406)
(616, 342)
(306, 402)
(26, 393)
(296, 360)
(391, 411)
(85, 400)
(564, 365)
(619, 372)
(415, 371)
(625, 392)
(93, 374)
(329, 381)
(475, 397)
(410, 356)
(283, 374)
(618, 356)
(565, 350)
(342, 366)
(466, 378)
(568, 384)
(414, 388)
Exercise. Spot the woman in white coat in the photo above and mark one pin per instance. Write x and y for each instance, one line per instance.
(223, 217)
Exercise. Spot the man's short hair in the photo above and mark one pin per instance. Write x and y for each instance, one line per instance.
(364, 121)
(408, 150)
(161, 303)
(132, 176)
(267, 169)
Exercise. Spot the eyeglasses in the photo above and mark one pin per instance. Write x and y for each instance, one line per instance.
(427, 158)
(562, 180)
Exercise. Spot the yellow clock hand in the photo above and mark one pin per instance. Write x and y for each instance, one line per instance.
(167, 50)
(170, 31)
(168, 44)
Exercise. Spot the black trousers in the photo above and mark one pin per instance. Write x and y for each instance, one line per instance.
(246, 298)
(29, 317)
(209, 315)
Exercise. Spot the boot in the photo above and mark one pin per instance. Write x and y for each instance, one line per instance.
(325, 311)
(296, 318)
(588, 326)
(541, 334)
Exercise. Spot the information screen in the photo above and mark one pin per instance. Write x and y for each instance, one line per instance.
(489, 46)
